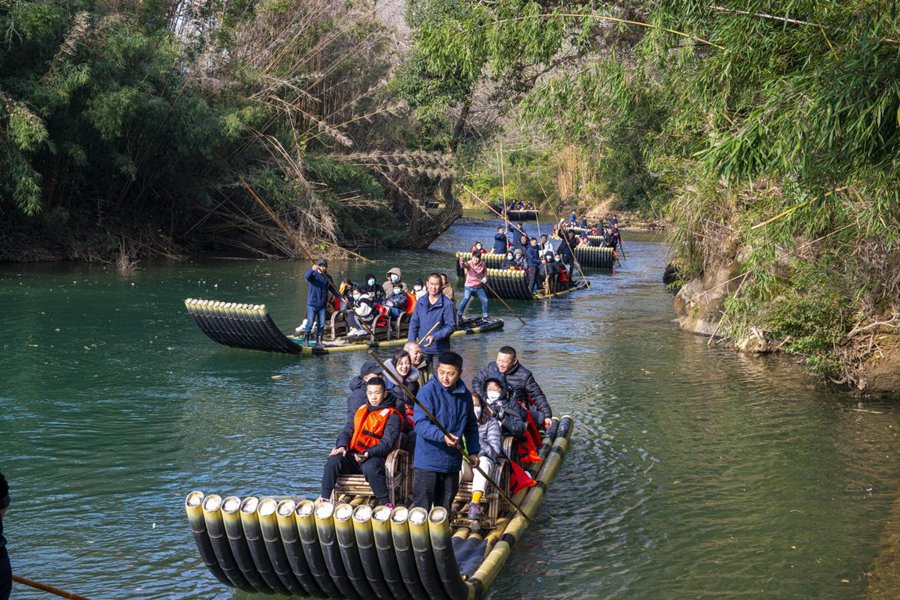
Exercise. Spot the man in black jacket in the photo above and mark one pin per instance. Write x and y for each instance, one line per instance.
(369, 435)
(520, 382)
(5, 569)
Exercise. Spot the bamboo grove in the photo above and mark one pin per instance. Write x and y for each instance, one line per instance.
(126, 129)
(764, 132)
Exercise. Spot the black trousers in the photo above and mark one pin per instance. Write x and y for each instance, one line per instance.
(438, 489)
(372, 468)
(5, 575)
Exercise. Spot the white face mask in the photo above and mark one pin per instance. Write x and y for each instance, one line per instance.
(477, 412)
(395, 278)
(356, 297)
(371, 282)
(418, 288)
(493, 396)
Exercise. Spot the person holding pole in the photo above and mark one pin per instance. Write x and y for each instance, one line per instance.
(437, 459)
(433, 320)
(476, 277)
(5, 568)
(317, 299)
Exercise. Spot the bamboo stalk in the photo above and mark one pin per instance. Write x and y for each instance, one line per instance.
(46, 587)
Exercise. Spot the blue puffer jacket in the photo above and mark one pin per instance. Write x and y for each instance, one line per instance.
(532, 256)
(319, 284)
(453, 410)
(425, 316)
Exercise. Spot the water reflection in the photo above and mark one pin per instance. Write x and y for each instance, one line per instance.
(694, 471)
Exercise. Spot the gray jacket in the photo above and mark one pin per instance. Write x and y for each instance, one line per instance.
(490, 440)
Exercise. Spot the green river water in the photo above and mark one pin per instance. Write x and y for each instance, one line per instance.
(695, 472)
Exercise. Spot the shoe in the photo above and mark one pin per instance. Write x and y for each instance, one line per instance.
(302, 327)
(485, 316)
(319, 343)
(474, 512)
(390, 505)
(356, 332)
(306, 337)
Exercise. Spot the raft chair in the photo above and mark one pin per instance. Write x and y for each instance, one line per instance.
(399, 471)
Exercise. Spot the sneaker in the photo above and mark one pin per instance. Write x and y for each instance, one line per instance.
(390, 505)
(302, 327)
(485, 316)
(474, 513)
(356, 332)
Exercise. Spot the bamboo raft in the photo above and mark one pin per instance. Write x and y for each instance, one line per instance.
(522, 215)
(250, 326)
(355, 549)
(513, 285)
(595, 257)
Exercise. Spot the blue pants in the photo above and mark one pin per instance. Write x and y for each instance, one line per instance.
(467, 295)
(313, 312)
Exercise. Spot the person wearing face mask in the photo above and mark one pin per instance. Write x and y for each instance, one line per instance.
(396, 302)
(365, 313)
(394, 277)
(491, 445)
(375, 291)
(371, 432)
(520, 382)
(476, 247)
(510, 415)
(508, 262)
(419, 288)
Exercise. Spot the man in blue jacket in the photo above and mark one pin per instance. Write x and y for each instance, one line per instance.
(317, 299)
(438, 459)
(500, 244)
(533, 258)
(433, 320)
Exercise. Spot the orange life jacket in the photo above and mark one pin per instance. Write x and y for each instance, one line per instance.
(410, 302)
(368, 427)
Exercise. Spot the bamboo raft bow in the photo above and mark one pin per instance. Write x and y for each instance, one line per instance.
(249, 326)
(354, 548)
(513, 285)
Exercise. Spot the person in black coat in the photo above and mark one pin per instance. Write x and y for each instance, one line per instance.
(522, 386)
(373, 289)
(507, 410)
(362, 447)
(5, 568)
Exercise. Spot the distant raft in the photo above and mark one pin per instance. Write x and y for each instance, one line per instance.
(522, 215)
(250, 326)
(595, 257)
(355, 549)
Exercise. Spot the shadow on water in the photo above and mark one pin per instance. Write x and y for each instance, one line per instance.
(695, 472)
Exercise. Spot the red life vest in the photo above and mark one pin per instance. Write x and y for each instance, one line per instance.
(368, 427)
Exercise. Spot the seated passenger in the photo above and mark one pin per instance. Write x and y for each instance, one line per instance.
(519, 263)
(396, 301)
(419, 288)
(375, 291)
(476, 247)
(446, 288)
(508, 262)
(508, 412)
(369, 435)
(400, 368)
(394, 278)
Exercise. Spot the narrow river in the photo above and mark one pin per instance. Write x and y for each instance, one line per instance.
(695, 472)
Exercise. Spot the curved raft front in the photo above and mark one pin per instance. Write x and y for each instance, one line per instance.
(250, 326)
(292, 546)
(493, 261)
(513, 285)
(593, 256)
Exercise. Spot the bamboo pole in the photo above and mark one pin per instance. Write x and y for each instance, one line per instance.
(45, 587)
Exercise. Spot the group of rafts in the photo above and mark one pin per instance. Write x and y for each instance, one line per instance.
(354, 548)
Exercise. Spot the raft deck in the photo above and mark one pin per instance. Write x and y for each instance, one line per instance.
(249, 326)
(354, 549)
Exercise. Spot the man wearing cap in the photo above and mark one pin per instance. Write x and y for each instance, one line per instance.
(433, 320)
(5, 568)
(438, 460)
(320, 282)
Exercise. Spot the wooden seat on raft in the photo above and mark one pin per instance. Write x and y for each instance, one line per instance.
(398, 471)
(494, 504)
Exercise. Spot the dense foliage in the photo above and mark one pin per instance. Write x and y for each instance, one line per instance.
(132, 127)
(765, 131)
